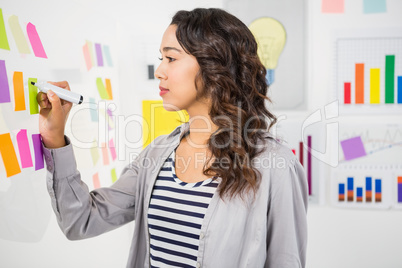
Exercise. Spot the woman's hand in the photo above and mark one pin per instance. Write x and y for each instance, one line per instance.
(53, 116)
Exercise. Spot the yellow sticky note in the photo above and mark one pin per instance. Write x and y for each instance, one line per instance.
(101, 89)
(113, 175)
(8, 154)
(157, 121)
(3, 35)
(33, 91)
(94, 153)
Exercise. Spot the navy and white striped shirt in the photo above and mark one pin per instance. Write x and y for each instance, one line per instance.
(175, 216)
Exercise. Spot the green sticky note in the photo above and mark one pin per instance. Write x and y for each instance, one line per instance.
(3, 34)
(113, 174)
(101, 89)
(33, 91)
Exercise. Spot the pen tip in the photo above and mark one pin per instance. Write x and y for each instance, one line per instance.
(32, 83)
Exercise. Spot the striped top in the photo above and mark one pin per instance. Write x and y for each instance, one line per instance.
(175, 216)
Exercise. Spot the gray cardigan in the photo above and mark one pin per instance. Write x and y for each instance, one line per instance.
(269, 232)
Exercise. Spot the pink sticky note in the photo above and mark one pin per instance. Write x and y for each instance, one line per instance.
(332, 6)
(87, 56)
(36, 43)
(95, 180)
(23, 148)
(112, 149)
(105, 154)
(37, 143)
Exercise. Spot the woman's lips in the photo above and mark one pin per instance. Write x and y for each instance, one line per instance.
(163, 91)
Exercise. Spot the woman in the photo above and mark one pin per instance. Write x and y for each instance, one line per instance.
(221, 191)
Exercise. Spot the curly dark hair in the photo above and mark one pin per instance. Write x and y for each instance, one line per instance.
(233, 77)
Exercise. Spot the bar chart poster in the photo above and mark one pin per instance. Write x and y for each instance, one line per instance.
(289, 132)
(369, 75)
(363, 186)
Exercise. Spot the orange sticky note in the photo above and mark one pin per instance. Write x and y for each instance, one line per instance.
(19, 96)
(8, 154)
(109, 88)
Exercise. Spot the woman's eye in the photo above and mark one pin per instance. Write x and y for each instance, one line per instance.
(160, 58)
(170, 59)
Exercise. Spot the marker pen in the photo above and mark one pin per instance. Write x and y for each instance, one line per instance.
(60, 92)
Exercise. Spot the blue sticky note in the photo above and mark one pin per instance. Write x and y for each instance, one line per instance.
(93, 109)
(106, 51)
(374, 6)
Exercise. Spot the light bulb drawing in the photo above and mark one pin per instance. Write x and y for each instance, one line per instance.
(271, 38)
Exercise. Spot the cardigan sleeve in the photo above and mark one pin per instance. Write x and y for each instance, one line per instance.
(83, 214)
(287, 217)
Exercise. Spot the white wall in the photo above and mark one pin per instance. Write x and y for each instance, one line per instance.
(337, 237)
(348, 237)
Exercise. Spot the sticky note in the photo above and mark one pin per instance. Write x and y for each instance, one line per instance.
(101, 89)
(8, 155)
(23, 148)
(19, 95)
(105, 154)
(158, 121)
(94, 153)
(91, 52)
(112, 149)
(36, 43)
(99, 57)
(113, 175)
(95, 180)
(110, 121)
(374, 6)
(87, 56)
(4, 88)
(106, 52)
(18, 34)
(109, 88)
(93, 109)
(37, 144)
(3, 35)
(33, 91)
(353, 148)
(332, 6)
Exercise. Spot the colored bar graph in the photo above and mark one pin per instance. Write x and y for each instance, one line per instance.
(346, 93)
(378, 190)
(359, 194)
(350, 189)
(389, 78)
(369, 189)
(301, 154)
(399, 89)
(309, 164)
(375, 86)
(341, 192)
(399, 189)
(359, 83)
